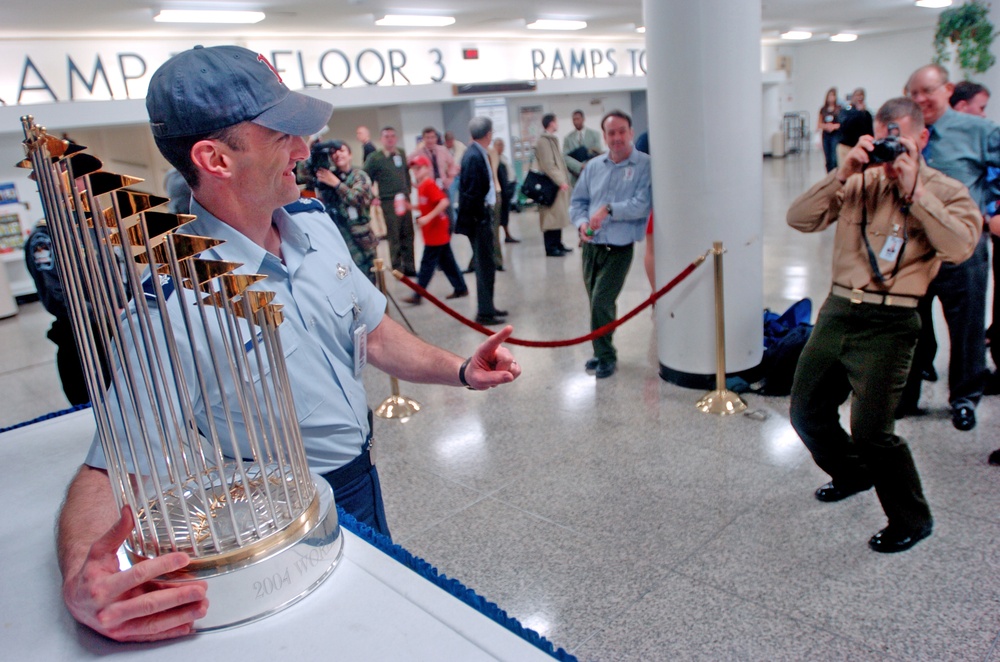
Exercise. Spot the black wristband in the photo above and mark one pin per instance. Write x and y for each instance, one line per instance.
(461, 374)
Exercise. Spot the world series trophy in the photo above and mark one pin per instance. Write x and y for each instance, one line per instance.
(224, 479)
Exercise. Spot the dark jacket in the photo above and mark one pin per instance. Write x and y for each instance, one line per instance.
(473, 186)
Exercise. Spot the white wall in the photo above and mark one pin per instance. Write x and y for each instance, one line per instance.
(414, 118)
(881, 64)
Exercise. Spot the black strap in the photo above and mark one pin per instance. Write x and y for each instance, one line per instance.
(872, 259)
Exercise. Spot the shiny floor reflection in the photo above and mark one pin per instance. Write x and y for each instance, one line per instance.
(622, 524)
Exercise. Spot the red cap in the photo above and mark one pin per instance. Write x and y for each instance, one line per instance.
(419, 160)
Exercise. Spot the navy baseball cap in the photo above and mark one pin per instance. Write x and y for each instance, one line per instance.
(207, 89)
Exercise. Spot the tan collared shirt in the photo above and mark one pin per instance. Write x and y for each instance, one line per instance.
(943, 226)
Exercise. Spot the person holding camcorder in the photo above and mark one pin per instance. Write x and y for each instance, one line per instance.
(346, 192)
(897, 221)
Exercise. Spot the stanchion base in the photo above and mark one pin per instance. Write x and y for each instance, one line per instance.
(722, 402)
(399, 407)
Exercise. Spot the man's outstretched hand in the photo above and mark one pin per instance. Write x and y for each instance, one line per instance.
(493, 364)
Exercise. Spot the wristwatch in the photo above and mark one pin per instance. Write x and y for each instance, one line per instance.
(607, 208)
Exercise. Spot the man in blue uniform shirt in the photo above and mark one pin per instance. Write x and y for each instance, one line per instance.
(610, 207)
(963, 147)
(224, 119)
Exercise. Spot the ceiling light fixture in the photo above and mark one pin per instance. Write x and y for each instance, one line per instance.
(934, 4)
(414, 21)
(556, 24)
(208, 16)
(844, 37)
(796, 35)
(641, 29)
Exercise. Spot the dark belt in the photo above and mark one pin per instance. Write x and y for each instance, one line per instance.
(357, 467)
(612, 248)
(351, 471)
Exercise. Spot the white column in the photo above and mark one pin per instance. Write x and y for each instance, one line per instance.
(704, 94)
(991, 78)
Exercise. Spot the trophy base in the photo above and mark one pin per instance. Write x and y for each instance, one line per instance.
(250, 592)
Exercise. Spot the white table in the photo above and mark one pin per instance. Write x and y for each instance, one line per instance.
(370, 608)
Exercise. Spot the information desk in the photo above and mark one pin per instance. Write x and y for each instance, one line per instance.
(370, 608)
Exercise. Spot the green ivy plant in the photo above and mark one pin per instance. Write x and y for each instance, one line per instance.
(968, 27)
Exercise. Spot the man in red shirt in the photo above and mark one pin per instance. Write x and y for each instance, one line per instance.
(434, 226)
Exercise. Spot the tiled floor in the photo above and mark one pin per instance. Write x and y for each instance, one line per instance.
(622, 524)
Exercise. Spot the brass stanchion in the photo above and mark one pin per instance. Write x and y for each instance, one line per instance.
(720, 401)
(395, 406)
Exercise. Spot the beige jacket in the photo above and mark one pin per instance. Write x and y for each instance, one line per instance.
(549, 159)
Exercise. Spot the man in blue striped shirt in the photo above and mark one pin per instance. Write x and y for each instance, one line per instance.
(609, 207)
(964, 147)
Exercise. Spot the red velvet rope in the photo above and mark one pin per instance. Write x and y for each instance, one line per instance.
(604, 330)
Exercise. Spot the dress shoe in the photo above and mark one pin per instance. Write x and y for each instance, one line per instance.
(457, 295)
(410, 274)
(592, 363)
(555, 252)
(500, 268)
(565, 249)
(995, 458)
(470, 270)
(890, 541)
(414, 300)
(489, 320)
(605, 369)
(963, 417)
(929, 374)
(832, 492)
(511, 240)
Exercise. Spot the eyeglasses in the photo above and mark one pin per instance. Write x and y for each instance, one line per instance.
(925, 92)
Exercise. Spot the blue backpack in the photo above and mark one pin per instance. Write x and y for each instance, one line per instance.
(785, 336)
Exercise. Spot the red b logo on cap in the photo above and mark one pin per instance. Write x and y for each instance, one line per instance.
(261, 58)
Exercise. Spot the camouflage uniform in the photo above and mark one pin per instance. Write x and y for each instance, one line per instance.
(348, 205)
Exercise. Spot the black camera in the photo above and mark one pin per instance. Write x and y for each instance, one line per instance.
(320, 155)
(887, 149)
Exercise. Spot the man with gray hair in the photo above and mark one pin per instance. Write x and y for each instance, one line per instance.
(477, 198)
(965, 147)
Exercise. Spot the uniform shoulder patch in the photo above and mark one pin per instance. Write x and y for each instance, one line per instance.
(304, 205)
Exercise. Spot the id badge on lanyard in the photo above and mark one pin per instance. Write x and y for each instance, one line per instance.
(360, 340)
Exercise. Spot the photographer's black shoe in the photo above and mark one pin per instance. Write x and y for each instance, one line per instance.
(890, 540)
(832, 492)
(963, 417)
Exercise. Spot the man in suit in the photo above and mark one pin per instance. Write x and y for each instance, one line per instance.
(579, 146)
(477, 199)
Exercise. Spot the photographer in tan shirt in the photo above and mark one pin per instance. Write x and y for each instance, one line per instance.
(897, 221)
